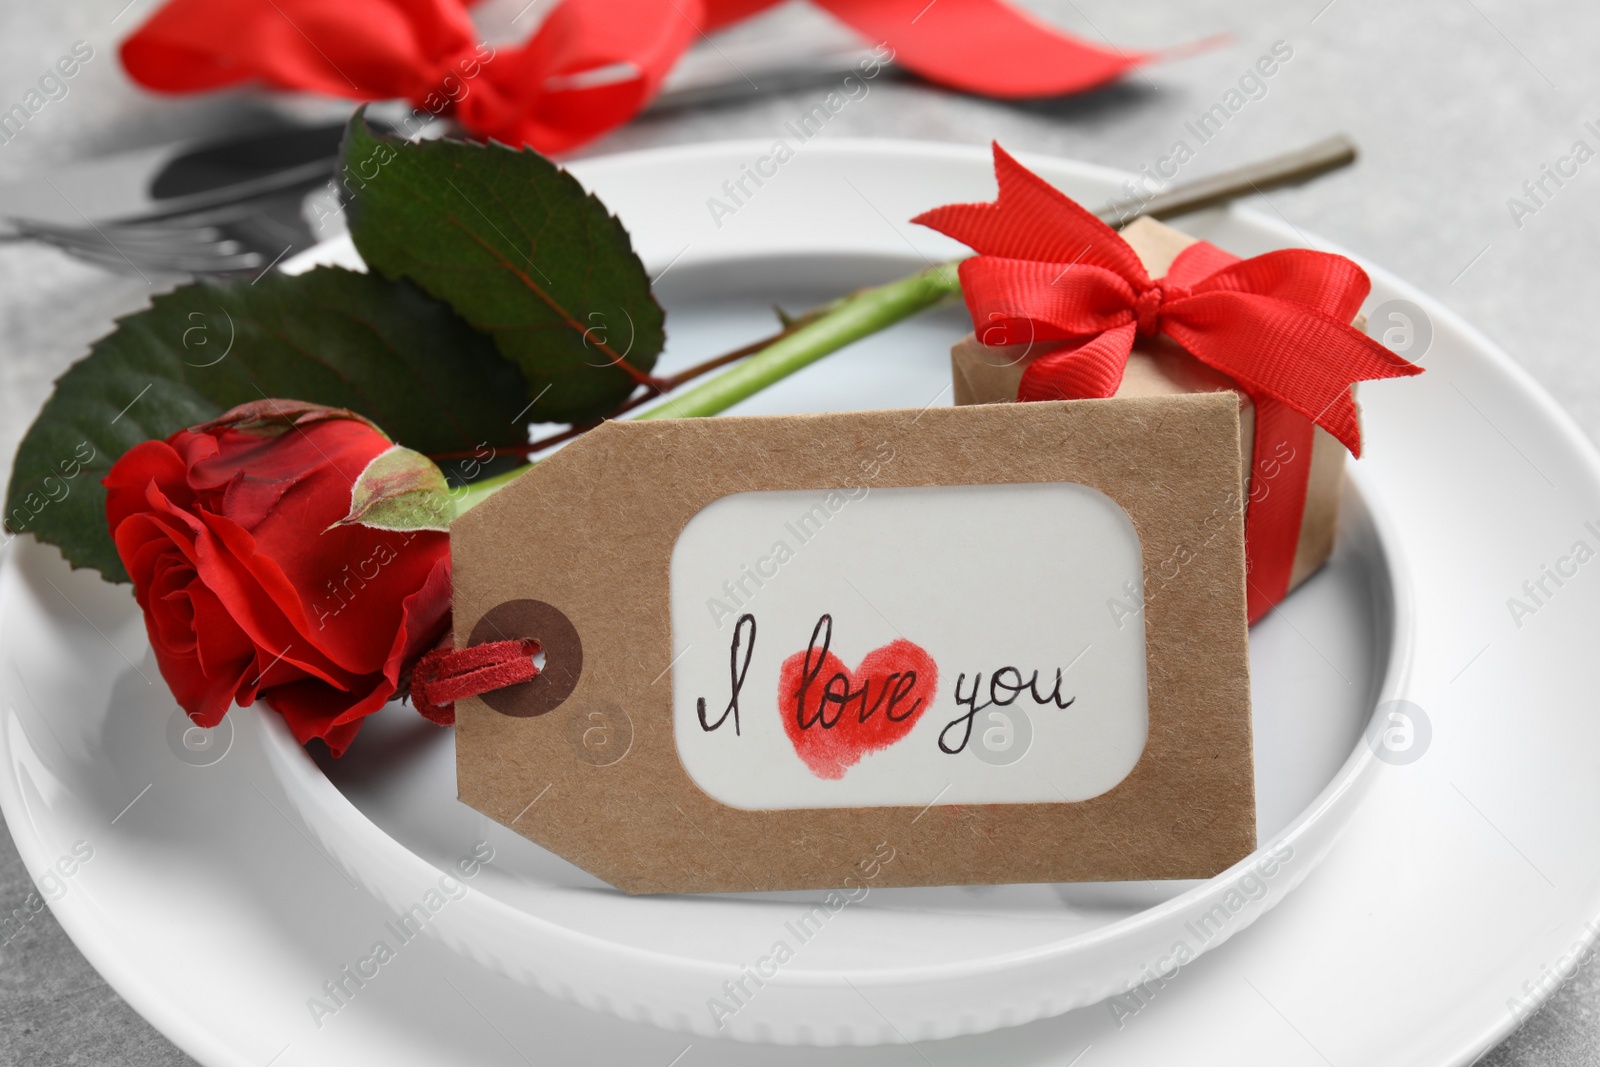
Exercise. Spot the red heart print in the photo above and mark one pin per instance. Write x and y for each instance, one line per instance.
(834, 716)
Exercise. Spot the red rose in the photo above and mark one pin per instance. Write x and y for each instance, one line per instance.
(250, 588)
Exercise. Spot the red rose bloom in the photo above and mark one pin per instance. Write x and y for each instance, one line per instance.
(250, 588)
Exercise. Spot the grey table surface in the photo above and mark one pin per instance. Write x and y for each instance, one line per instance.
(1455, 103)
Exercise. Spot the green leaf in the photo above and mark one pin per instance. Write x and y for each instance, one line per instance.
(400, 490)
(517, 247)
(381, 348)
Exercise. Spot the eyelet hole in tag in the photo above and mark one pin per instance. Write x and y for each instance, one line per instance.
(561, 653)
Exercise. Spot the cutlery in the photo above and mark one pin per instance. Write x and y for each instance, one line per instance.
(221, 230)
(178, 179)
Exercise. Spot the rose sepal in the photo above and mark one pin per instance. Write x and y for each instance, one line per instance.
(401, 490)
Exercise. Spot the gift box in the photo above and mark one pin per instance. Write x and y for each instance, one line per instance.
(1301, 463)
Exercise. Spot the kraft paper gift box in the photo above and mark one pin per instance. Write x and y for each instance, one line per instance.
(984, 374)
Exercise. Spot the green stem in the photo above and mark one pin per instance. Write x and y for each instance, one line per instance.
(858, 315)
(848, 320)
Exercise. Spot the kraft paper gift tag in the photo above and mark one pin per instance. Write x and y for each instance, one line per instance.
(986, 644)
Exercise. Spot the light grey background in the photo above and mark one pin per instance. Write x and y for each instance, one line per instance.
(1455, 103)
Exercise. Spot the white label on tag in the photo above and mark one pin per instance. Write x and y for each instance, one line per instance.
(966, 644)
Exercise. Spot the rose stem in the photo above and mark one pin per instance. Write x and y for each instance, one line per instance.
(669, 383)
(858, 315)
(829, 328)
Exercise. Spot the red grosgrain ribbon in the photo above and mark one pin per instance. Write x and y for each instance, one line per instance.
(446, 675)
(1277, 324)
(983, 46)
(590, 65)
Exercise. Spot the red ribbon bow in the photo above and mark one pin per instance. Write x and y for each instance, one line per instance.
(590, 65)
(1278, 325)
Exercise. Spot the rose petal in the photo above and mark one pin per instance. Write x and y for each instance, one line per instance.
(151, 464)
(313, 709)
(427, 619)
(220, 645)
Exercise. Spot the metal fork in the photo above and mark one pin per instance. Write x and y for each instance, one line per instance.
(246, 236)
(252, 225)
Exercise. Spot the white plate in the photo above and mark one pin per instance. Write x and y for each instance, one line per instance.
(939, 961)
(1464, 881)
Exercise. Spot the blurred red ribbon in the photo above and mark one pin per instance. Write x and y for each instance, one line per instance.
(589, 67)
(1277, 324)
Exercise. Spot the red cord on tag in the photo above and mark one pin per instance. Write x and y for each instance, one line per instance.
(447, 675)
